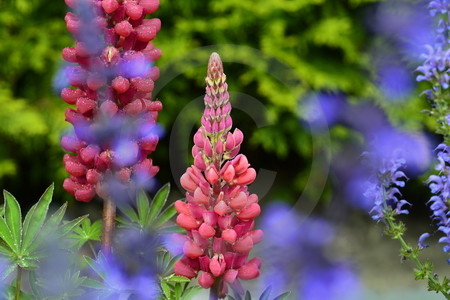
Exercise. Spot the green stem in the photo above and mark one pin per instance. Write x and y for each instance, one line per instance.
(18, 282)
(414, 257)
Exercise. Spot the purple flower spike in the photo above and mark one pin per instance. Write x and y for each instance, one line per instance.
(439, 185)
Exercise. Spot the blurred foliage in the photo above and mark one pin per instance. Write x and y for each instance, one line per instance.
(274, 51)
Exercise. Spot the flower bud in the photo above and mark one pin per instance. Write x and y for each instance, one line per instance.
(205, 280)
(249, 212)
(187, 222)
(192, 250)
(183, 269)
(206, 231)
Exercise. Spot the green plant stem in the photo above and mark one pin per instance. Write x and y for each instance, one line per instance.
(18, 283)
(414, 256)
(109, 215)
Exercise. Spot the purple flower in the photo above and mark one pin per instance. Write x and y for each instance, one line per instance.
(383, 186)
(440, 187)
(296, 256)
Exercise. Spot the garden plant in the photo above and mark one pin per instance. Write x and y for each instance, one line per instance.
(221, 235)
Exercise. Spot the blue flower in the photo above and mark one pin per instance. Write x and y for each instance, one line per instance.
(440, 187)
(383, 186)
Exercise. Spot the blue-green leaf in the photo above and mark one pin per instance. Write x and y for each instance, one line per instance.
(283, 296)
(165, 216)
(158, 202)
(36, 218)
(6, 234)
(13, 217)
(143, 208)
(266, 294)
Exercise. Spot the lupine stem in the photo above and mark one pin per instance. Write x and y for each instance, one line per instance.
(109, 214)
(412, 254)
(18, 283)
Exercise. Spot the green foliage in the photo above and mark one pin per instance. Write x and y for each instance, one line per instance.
(21, 242)
(148, 214)
(86, 232)
(265, 295)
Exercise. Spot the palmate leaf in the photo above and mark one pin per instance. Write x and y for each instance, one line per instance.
(6, 235)
(86, 232)
(148, 213)
(158, 202)
(13, 217)
(35, 218)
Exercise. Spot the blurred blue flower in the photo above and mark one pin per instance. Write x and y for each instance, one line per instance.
(321, 110)
(294, 256)
(132, 268)
(395, 81)
(440, 187)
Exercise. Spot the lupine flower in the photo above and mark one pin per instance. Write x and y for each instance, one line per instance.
(301, 262)
(112, 82)
(440, 187)
(219, 213)
(131, 270)
(383, 186)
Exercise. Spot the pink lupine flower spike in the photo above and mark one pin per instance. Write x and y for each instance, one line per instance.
(219, 213)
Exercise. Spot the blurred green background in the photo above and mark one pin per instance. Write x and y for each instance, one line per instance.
(326, 45)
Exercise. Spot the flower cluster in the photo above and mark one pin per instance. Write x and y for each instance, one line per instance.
(436, 66)
(440, 187)
(383, 188)
(219, 212)
(112, 81)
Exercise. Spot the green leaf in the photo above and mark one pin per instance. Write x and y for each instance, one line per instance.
(13, 218)
(6, 234)
(165, 216)
(248, 296)
(129, 212)
(178, 291)
(35, 288)
(95, 265)
(143, 208)
(93, 284)
(70, 225)
(9, 270)
(266, 294)
(179, 279)
(166, 289)
(158, 202)
(283, 296)
(191, 292)
(56, 217)
(36, 217)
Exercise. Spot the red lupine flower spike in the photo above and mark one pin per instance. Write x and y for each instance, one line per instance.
(220, 211)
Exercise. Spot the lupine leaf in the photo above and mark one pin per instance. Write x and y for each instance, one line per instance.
(129, 212)
(178, 279)
(166, 289)
(8, 271)
(36, 217)
(143, 208)
(13, 217)
(56, 217)
(158, 202)
(282, 296)
(178, 291)
(5, 249)
(70, 225)
(165, 216)
(93, 284)
(6, 235)
(248, 296)
(95, 265)
(34, 285)
(190, 292)
(266, 294)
